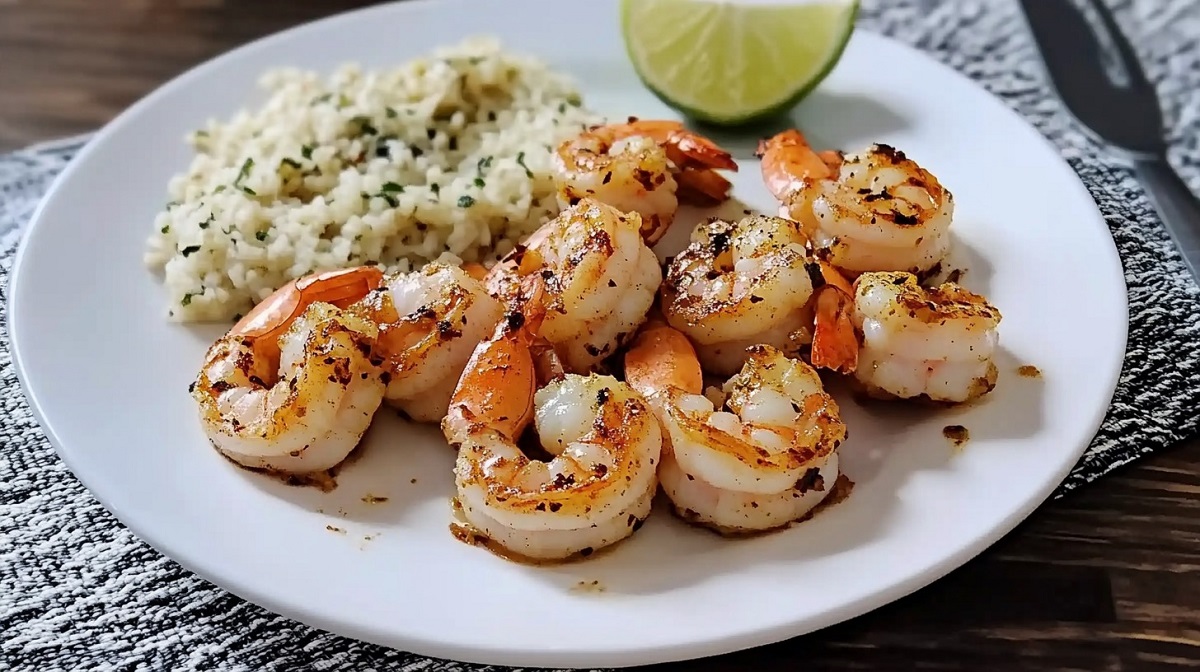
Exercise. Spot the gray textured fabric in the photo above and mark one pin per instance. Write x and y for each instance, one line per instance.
(78, 591)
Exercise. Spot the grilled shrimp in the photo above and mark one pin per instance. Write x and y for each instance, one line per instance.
(603, 442)
(741, 284)
(601, 279)
(496, 388)
(429, 323)
(645, 167)
(916, 342)
(877, 210)
(293, 386)
(762, 457)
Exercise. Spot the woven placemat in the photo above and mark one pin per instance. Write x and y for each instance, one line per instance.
(78, 591)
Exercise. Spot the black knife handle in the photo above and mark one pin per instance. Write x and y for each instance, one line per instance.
(1177, 206)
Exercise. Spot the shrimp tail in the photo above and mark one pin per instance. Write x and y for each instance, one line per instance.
(832, 276)
(684, 147)
(698, 159)
(833, 159)
(835, 340)
(342, 287)
(662, 357)
(698, 151)
(499, 377)
(695, 156)
(497, 386)
(703, 188)
(788, 162)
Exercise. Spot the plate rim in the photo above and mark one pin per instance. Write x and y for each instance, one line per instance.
(629, 656)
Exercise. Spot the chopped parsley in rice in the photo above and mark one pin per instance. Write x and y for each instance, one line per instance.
(444, 158)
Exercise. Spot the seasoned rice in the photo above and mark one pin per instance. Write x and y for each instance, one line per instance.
(444, 158)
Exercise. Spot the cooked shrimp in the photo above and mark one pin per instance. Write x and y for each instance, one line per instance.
(429, 323)
(495, 390)
(835, 340)
(741, 284)
(604, 444)
(645, 167)
(935, 343)
(877, 210)
(601, 280)
(789, 162)
(503, 280)
(293, 386)
(762, 457)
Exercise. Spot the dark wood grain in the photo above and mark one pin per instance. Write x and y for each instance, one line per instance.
(1105, 579)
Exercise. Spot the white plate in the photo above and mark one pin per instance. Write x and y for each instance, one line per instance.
(107, 377)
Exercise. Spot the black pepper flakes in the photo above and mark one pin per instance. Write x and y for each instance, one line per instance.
(811, 480)
(815, 275)
(881, 196)
(515, 320)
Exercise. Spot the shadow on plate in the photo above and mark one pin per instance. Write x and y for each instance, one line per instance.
(830, 121)
(967, 267)
(889, 443)
(403, 470)
(1013, 410)
(1020, 399)
(669, 554)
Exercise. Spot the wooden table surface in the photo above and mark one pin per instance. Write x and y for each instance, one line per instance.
(1107, 578)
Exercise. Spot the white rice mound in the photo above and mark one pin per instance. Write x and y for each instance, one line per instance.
(444, 158)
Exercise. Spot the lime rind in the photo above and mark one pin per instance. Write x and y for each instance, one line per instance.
(733, 64)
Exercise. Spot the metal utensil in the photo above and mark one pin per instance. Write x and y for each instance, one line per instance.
(1098, 77)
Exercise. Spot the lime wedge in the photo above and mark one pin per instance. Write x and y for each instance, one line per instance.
(730, 62)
